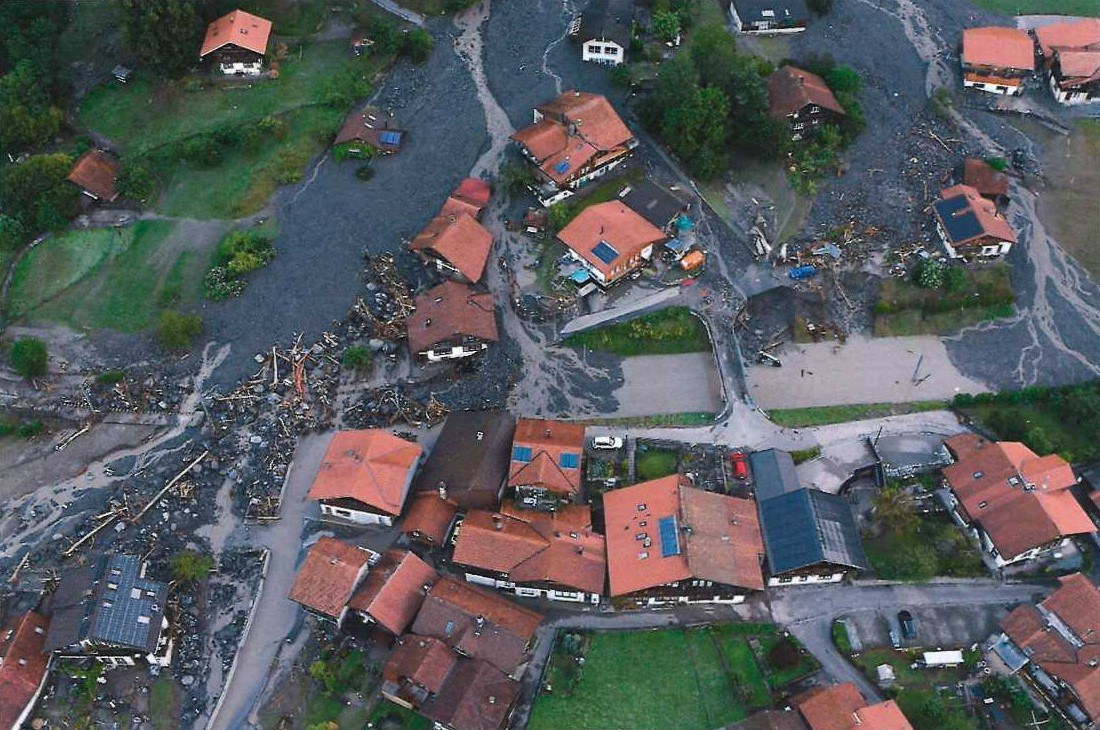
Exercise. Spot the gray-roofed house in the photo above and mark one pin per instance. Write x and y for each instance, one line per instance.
(773, 473)
(604, 31)
(809, 537)
(659, 205)
(109, 610)
(469, 462)
(905, 455)
(769, 16)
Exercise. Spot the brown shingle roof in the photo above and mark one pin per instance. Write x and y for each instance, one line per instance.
(830, 708)
(422, 660)
(470, 458)
(532, 547)
(23, 664)
(478, 623)
(612, 224)
(428, 517)
(476, 696)
(96, 172)
(329, 575)
(724, 544)
(394, 590)
(998, 48)
(458, 239)
(370, 466)
(450, 310)
(548, 441)
(367, 127)
(239, 28)
(981, 176)
(791, 89)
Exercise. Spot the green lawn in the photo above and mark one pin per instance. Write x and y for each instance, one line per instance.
(121, 281)
(164, 706)
(655, 463)
(694, 679)
(918, 692)
(670, 331)
(1035, 422)
(904, 308)
(824, 415)
(1041, 7)
(690, 418)
(937, 547)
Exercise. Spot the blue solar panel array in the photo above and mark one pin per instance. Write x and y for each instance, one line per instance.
(670, 537)
(562, 167)
(129, 608)
(605, 252)
(390, 138)
(521, 453)
(569, 461)
(958, 219)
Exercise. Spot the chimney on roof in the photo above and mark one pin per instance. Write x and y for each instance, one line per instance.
(479, 622)
(547, 432)
(492, 699)
(480, 435)
(424, 589)
(442, 489)
(498, 522)
(427, 321)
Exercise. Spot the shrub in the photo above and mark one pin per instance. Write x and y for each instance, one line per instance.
(622, 76)
(929, 274)
(515, 178)
(176, 331)
(417, 45)
(29, 357)
(189, 566)
(954, 279)
(202, 149)
(29, 429)
(999, 164)
(135, 179)
(220, 284)
(110, 377)
(244, 251)
(801, 455)
(364, 172)
(821, 7)
(357, 357)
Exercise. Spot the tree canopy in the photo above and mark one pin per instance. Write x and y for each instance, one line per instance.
(164, 34)
(36, 194)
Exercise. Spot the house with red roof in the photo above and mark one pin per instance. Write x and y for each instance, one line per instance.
(470, 197)
(842, 707)
(997, 60)
(969, 226)
(1055, 648)
(803, 100)
(365, 477)
(610, 241)
(236, 43)
(451, 321)
(24, 666)
(670, 542)
(367, 133)
(533, 553)
(990, 182)
(455, 244)
(1017, 503)
(393, 591)
(95, 172)
(1070, 53)
(575, 139)
(329, 576)
(546, 461)
(430, 518)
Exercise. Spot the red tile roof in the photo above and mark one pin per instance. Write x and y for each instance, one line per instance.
(724, 544)
(394, 590)
(1009, 48)
(1076, 603)
(981, 176)
(791, 89)
(458, 239)
(470, 197)
(428, 517)
(1078, 67)
(984, 211)
(547, 440)
(329, 576)
(1078, 34)
(423, 660)
(1021, 500)
(830, 708)
(478, 623)
(477, 696)
(614, 224)
(239, 28)
(883, 716)
(534, 548)
(96, 172)
(450, 310)
(23, 664)
(370, 466)
(576, 128)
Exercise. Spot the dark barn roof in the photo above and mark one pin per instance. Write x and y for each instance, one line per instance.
(785, 11)
(808, 527)
(773, 473)
(471, 458)
(654, 202)
(959, 226)
(607, 20)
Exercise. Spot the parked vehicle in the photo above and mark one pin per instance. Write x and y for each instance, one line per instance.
(740, 465)
(806, 271)
(607, 442)
(908, 625)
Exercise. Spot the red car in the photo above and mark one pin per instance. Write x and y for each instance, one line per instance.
(740, 466)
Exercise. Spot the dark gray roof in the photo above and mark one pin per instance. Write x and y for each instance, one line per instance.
(110, 604)
(958, 220)
(806, 528)
(785, 12)
(654, 202)
(470, 458)
(773, 473)
(607, 20)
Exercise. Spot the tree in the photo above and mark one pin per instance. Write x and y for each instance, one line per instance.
(893, 511)
(36, 193)
(515, 178)
(321, 672)
(29, 357)
(665, 25)
(713, 52)
(697, 132)
(954, 279)
(676, 81)
(135, 179)
(417, 45)
(164, 34)
(843, 80)
(928, 274)
(189, 566)
(27, 119)
(12, 233)
(176, 331)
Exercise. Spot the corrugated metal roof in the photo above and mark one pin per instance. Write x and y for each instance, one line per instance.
(773, 473)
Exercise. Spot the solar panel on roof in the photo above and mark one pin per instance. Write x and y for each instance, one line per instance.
(521, 453)
(670, 537)
(569, 461)
(605, 252)
(561, 167)
(390, 138)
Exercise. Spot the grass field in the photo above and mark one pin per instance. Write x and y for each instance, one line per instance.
(671, 331)
(906, 309)
(694, 679)
(394, 717)
(655, 463)
(1041, 7)
(917, 690)
(824, 415)
(164, 706)
(116, 278)
(690, 418)
(938, 546)
(1068, 440)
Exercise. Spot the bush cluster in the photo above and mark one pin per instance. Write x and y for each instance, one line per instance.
(176, 331)
(239, 254)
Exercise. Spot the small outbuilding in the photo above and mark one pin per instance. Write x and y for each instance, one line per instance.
(96, 172)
